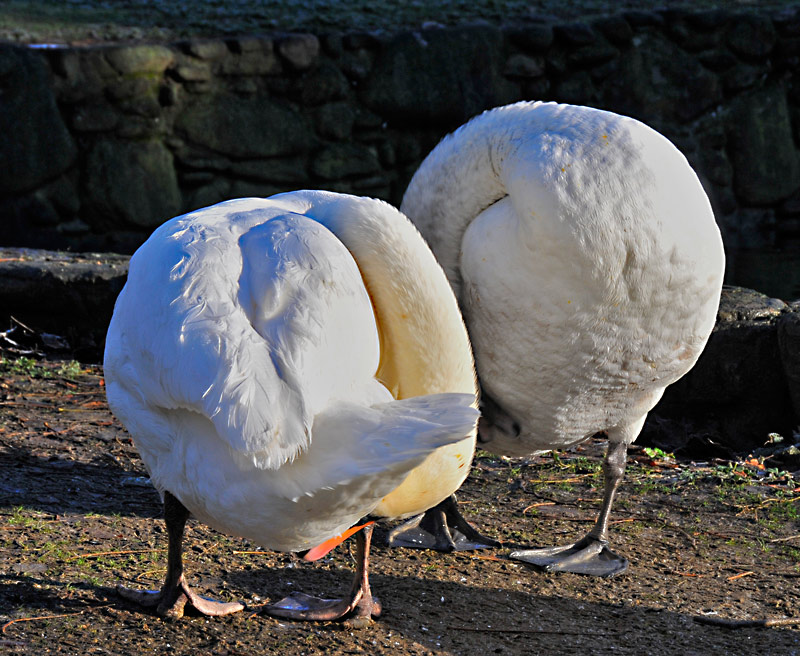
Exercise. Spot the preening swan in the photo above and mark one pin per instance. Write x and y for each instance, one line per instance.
(286, 367)
(588, 265)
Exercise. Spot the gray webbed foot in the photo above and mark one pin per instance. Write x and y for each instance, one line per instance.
(588, 556)
(441, 528)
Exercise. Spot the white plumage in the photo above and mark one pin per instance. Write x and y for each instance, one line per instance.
(250, 358)
(587, 263)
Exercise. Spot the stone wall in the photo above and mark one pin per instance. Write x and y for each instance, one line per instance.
(101, 144)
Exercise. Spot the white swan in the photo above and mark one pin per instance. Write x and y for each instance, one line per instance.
(257, 355)
(588, 266)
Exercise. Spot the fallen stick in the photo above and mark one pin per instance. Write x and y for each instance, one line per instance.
(746, 624)
(48, 617)
(97, 554)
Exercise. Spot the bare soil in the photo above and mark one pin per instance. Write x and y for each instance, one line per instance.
(713, 540)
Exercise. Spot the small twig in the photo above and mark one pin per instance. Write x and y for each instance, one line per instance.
(48, 617)
(537, 505)
(786, 539)
(746, 624)
(740, 575)
(97, 554)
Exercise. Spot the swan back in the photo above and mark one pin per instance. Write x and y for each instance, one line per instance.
(586, 259)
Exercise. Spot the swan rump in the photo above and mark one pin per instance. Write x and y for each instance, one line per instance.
(242, 357)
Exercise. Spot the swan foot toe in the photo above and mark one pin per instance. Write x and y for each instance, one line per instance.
(170, 602)
(441, 528)
(356, 612)
(589, 556)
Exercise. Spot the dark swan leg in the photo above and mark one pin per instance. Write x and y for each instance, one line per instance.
(441, 528)
(590, 555)
(175, 593)
(357, 608)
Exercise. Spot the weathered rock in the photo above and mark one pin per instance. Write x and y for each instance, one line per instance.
(524, 66)
(67, 294)
(751, 36)
(789, 343)
(245, 127)
(335, 120)
(210, 50)
(141, 59)
(344, 160)
(616, 29)
(35, 145)
(575, 34)
(94, 117)
(299, 50)
(438, 76)
(658, 82)
(130, 183)
(323, 84)
(532, 38)
(279, 170)
(737, 391)
(251, 56)
(763, 154)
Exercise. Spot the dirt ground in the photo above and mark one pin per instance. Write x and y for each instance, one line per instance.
(713, 540)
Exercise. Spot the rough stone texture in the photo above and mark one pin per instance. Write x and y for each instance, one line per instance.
(66, 294)
(410, 83)
(130, 183)
(357, 112)
(245, 127)
(789, 343)
(737, 391)
(140, 59)
(299, 50)
(762, 150)
(657, 82)
(751, 36)
(343, 161)
(35, 145)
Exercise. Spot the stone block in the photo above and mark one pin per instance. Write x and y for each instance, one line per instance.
(35, 145)
(130, 183)
(255, 126)
(764, 158)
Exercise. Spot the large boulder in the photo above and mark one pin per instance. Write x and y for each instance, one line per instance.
(65, 294)
(439, 76)
(765, 161)
(737, 393)
(658, 82)
(249, 127)
(130, 183)
(35, 145)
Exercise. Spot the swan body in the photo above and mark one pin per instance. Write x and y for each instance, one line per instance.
(289, 365)
(587, 263)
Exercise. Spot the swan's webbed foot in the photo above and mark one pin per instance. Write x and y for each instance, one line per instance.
(588, 556)
(441, 528)
(170, 602)
(358, 610)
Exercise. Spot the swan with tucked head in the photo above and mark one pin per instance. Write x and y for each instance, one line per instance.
(588, 265)
(286, 367)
